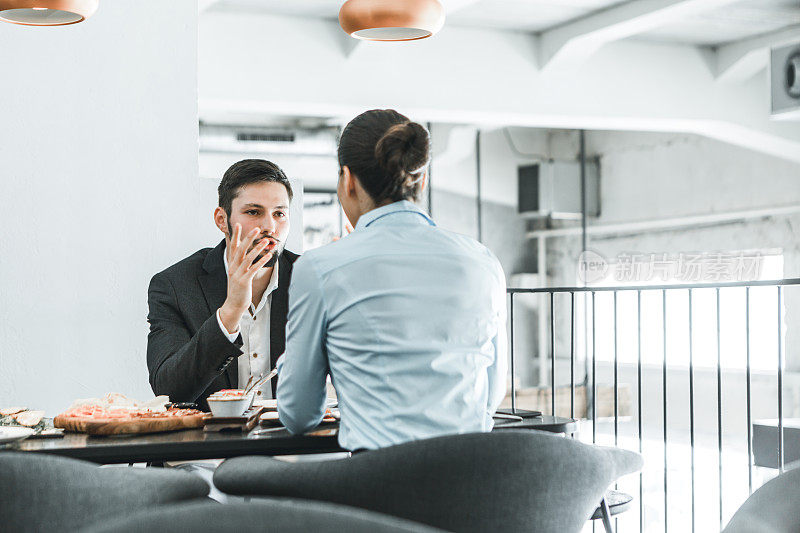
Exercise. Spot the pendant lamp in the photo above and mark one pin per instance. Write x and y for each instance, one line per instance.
(391, 20)
(46, 12)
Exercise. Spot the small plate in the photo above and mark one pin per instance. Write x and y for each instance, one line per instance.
(273, 404)
(49, 433)
(270, 418)
(269, 404)
(13, 433)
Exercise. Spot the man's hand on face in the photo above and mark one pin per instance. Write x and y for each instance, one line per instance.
(241, 271)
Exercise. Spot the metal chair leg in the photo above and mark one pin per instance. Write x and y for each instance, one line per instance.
(606, 516)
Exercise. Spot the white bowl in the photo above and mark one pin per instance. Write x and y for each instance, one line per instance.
(230, 407)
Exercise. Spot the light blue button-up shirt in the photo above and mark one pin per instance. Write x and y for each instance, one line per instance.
(410, 322)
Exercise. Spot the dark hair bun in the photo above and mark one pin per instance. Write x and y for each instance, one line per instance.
(403, 151)
(387, 153)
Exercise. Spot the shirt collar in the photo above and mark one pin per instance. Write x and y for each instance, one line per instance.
(403, 206)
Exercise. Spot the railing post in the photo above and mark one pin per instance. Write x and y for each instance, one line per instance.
(552, 357)
(594, 373)
(511, 346)
(572, 357)
(664, 395)
(749, 412)
(639, 399)
(719, 405)
(780, 379)
(691, 401)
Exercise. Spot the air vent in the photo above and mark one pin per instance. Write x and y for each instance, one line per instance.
(256, 140)
(266, 137)
(553, 189)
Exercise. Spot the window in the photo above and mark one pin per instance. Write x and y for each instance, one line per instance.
(732, 322)
(323, 219)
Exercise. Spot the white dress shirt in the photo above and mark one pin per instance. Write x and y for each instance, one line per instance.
(254, 327)
(408, 319)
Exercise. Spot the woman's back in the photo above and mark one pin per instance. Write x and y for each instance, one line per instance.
(408, 319)
(415, 323)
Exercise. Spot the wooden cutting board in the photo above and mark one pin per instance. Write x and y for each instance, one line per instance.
(94, 426)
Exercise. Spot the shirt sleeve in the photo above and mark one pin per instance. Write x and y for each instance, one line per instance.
(231, 336)
(303, 368)
(499, 368)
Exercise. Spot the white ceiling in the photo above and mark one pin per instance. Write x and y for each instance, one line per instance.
(525, 15)
(738, 20)
(299, 8)
(531, 71)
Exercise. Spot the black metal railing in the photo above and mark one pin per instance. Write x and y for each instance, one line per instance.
(589, 382)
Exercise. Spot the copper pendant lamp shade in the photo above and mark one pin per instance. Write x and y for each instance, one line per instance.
(46, 12)
(391, 20)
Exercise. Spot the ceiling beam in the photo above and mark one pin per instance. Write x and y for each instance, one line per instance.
(347, 45)
(741, 60)
(203, 5)
(572, 43)
(452, 6)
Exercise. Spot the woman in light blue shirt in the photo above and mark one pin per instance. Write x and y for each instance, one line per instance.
(408, 319)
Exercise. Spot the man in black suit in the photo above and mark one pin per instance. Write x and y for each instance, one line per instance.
(215, 313)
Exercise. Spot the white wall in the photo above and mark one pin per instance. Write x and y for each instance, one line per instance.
(656, 176)
(320, 172)
(648, 175)
(454, 160)
(98, 172)
(453, 153)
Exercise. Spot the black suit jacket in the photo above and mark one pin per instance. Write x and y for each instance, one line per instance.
(188, 356)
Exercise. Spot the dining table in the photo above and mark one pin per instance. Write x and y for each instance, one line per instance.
(195, 444)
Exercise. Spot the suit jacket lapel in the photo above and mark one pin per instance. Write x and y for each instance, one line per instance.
(214, 282)
(279, 306)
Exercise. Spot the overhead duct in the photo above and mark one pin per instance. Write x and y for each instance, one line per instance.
(785, 82)
(266, 140)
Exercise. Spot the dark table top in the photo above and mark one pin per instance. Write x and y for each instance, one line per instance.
(193, 444)
(553, 424)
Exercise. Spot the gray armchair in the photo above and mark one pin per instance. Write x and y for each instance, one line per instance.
(284, 516)
(49, 493)
(772, 508)
(504, 481)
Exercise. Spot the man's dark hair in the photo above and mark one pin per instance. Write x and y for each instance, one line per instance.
(246, 172)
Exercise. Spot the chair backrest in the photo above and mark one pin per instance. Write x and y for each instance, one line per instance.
(48, 493)
(503, 481)
(285, 516)
(773, 508)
